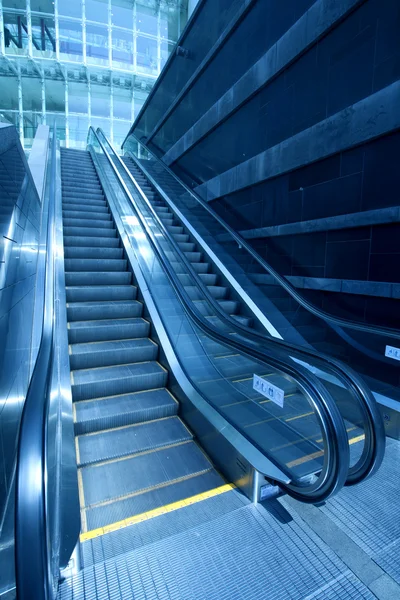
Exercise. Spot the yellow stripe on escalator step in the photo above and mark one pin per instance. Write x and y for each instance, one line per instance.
(162, 510)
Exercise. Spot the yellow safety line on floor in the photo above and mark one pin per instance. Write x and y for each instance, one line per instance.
(303, 459)
(84, 537)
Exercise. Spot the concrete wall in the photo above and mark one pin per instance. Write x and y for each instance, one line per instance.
(290, 121)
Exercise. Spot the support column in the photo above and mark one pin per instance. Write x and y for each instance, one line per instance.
(84, 31)
(57, 30)
(89, 111)
(109, 34)
(20, 107)
(111, 109)
(134, 39)
(29, 26)
(66, 111)
(159, 39)
(42, 81)
(2, 44)
(133, 100)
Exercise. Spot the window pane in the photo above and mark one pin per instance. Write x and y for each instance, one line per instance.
(78, 97)
(122, 103)
(122, 13)
(97, 10)
(100, 100)
(71, 8)
(96, 42)
(146, 20)
(147, 54)
(122, 47)
(78, 130)
(71, 38)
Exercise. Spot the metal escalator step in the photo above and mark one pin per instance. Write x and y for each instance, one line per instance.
(115, 352)
(83, 241)
(90, 293)
(87, 215)
(193, 257)
(98, 516)
(163, 209)
(131, 439)
(123, 409)
(93, 253)
(118, 309)
(90, 232)
(100, 224)
(180, 237)
(174, 229)
(98, 278)
(95, 264)
(86, 209)
(119, 379)
(236, 366)
(83, 196)
(167, 219)
(218, 292)
(228, 306)
(187, 246)
(107, 329)
(92, 203)
(119, 478)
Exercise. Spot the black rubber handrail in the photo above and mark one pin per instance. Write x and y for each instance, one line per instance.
(32, 552)
(283, 282)
(374, 447)
(334, 472)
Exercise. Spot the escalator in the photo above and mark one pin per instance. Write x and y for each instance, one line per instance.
(363, 422)
(295, 315)
(176, 394)
(134, 453)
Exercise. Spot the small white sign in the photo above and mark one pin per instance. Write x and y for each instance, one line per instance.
(269, 390)
(392, 352)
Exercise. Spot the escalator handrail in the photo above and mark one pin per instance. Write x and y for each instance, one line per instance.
(374, 448)
(283, 282)
(332, 425)
(33, 579)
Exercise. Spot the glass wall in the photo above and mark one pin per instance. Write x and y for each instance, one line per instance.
(79, 62)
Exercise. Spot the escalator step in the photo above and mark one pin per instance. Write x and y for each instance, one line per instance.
(124, 409)
(100, 293)
(87, 215)
(118, 309)
(105, 482)
(85, 241)
(218, 292)
(90, 232)
(101, 354)
(86, 208)
(120, 379)
(89, 252)
(100, 224)
(94, 278)
(99, 516)
(130, 440)
(91, 203)
(107, 329)
(95, 264)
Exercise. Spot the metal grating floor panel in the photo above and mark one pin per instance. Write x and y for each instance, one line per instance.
(246, 554)
(366, 511)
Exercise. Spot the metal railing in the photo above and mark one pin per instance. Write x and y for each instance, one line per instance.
(332, 476)
(374, 446)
